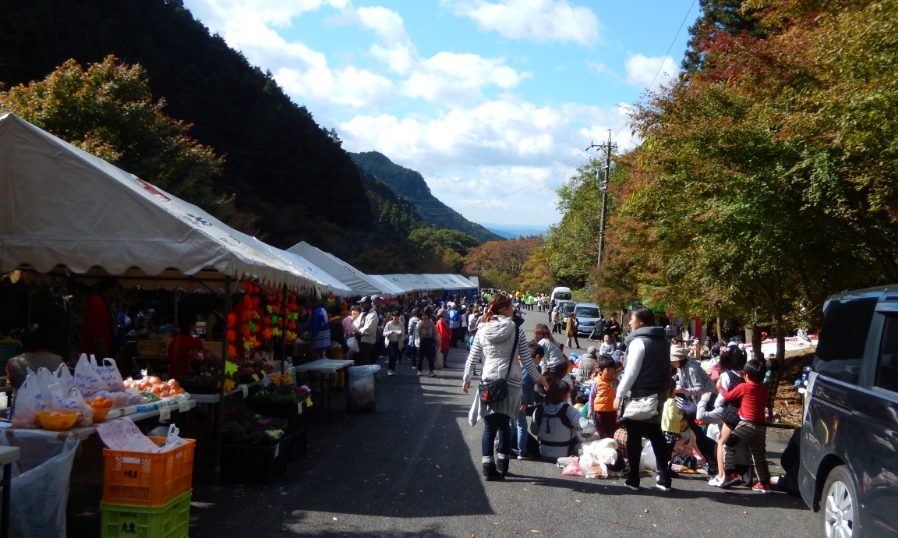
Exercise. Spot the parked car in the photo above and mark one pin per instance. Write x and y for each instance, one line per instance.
(566, 308)
(589, 315)
(561, 294)
(849, 430)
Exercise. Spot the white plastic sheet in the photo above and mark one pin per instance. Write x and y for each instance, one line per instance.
(40, 483)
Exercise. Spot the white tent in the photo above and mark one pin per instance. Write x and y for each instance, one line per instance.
(357, 281)
(463, 283)
(389, 287)
(64, 210)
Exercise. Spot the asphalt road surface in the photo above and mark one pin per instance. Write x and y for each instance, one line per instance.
(412, 469)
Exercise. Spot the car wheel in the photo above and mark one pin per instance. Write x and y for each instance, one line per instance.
(840, 510)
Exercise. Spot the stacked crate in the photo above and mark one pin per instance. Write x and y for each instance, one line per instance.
(147, 494)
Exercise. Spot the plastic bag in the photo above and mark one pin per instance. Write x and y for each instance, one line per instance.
(64, 377)
(172, 440)
(40, 483)
(29, 401)
(573, 469)
(87, 380)
(110, 375)
(592, 468)
(71, 401)
(353, 344)
(647, 459)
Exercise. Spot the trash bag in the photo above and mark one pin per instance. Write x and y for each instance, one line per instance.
(40, 483)
(361, 397)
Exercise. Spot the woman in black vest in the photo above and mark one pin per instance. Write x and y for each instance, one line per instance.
(646, 373)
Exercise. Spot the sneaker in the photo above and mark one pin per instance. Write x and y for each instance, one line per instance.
(526, 456)
(391, 372)
(634, 486)
(419, 373)
(432, 374)
(761, 488)
(715, 481)
(731, 479)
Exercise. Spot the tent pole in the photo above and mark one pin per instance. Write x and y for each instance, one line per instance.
(219, 407)
(284, 332)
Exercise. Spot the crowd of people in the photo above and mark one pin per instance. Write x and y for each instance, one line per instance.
(701, 406)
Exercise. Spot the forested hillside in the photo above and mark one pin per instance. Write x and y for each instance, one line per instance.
(283, 167)
(411, 185)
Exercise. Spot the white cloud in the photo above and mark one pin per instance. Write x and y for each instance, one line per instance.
(641, 70)
(496, 133)
(536, 20)
(458, 78)
(386, 23)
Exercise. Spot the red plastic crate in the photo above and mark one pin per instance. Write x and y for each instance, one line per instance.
(144, 479)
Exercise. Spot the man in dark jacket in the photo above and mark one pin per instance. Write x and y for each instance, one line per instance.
(646, 375)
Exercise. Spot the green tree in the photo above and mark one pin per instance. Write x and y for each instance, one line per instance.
(108, 110)
(767, 178)
(717, 16)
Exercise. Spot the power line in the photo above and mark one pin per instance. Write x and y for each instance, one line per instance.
(551, 174)
(661, 67)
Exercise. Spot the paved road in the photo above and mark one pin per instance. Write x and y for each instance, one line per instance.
(412, 469)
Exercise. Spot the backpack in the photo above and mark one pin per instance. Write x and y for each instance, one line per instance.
(540, 413)
(731, 409)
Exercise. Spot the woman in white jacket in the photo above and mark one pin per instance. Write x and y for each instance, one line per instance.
(494, 343)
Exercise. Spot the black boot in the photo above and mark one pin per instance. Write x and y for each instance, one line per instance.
(490, 473)
(502, 466)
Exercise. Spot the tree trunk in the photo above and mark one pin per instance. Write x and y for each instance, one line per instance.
(755, 334)
(719, 328)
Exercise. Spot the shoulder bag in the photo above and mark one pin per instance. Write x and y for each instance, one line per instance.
(497, 390)
(642, 408)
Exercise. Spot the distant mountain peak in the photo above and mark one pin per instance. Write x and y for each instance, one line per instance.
(410, 184)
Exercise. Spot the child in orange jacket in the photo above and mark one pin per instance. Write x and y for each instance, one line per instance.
(602, 392)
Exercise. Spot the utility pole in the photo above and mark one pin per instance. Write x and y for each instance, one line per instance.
(608, 147)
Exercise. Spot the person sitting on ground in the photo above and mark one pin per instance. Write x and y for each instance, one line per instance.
(555, 423)
(752, 427)
(36, 341)
(607, 348)
(602, 391)
(619, 353)
(586, 369)
(554, 365)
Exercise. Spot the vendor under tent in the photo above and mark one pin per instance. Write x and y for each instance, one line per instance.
(72, 214)
(357, 281)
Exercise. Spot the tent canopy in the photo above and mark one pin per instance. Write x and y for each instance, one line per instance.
(357, 281)
(64, 209)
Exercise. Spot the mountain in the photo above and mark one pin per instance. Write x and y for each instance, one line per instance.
(279, 163)
(410, 184)
(510, 231)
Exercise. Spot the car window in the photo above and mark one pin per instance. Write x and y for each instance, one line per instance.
(843, 337)
(887, 368)
(587, 312)
(563, 296)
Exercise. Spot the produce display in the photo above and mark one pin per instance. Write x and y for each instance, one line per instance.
(101, 407)
(155, 386)
(57, 420)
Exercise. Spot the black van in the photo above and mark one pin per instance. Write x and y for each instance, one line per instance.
(849, 431)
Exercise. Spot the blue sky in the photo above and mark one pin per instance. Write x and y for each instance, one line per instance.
(493, 101)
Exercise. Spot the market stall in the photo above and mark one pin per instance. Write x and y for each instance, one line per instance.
(69, 215)
(359, 282)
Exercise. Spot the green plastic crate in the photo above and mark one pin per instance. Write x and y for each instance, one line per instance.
(170, 520)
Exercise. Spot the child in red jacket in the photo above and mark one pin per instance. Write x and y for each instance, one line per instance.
(752, 427)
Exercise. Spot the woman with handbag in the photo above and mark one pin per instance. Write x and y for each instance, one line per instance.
(499, 341)
(641, 393)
